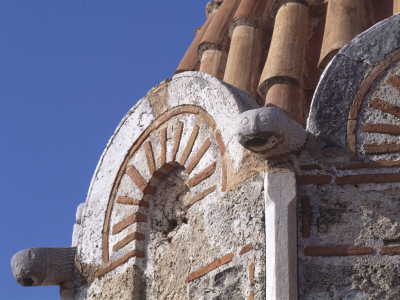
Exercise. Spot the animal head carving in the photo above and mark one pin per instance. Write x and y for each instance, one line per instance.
(29, 266)
(269, 132)
(43, 266)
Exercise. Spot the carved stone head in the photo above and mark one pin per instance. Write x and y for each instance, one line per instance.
(29, 266)
(269, 132)
(44, 266)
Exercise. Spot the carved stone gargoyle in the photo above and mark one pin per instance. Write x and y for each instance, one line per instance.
(268, 132)
(44, 266)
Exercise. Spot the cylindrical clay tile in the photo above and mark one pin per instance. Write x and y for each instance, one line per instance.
(343, 23)
(215, 39)
(396, 6)
(191, 59)
(256, 12)
(242, 57)
(217, 29)
(243, 66)
(285, 56)
(213, 62)
(288, 98)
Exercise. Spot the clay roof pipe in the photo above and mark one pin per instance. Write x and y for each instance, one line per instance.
(255, 13)
(190, 60)
(216, 32)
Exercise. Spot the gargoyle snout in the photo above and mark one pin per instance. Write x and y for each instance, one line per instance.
(28, 267)
(44, 266)
(268, 132)
(249, 125)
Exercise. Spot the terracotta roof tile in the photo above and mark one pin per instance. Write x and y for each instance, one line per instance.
(191, 61)
(254, 10)
(247, 51)
(219, 26)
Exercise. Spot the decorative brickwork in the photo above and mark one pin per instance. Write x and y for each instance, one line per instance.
(313, 179)
(207, 172)
(189, 145)
(198, 156)
(385, 107)
(211, 266)
(251, 272)
(136, 217)
(368, 178)
(337, 250)
(129, 238)
(119, 262)
(131, 201)
(390, 250)
(181, 146)
(246, 249)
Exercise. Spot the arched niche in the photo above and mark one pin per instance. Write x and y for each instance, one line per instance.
(165, 193)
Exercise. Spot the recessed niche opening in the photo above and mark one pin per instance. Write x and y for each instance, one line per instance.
(168, 211)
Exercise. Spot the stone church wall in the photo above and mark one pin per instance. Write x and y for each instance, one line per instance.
(348, 181)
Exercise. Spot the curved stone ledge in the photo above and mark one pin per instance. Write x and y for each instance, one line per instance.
(341, 80)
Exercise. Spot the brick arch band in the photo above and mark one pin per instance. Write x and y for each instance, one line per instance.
(149, 187)
(351, 138)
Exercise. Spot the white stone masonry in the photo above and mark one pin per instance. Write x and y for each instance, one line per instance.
(280, 235)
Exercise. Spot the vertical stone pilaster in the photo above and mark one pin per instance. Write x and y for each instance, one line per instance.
(280, 235)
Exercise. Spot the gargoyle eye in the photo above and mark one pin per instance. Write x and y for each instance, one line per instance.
(30, 255)
(262, 118)
(245, 121)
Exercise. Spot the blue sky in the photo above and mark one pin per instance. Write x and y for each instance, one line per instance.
(69, 71)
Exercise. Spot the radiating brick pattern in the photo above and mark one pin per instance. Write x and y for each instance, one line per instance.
(179, 144)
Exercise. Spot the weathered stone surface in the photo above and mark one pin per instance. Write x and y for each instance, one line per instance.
(329, 281)
(124, 284)
(355, 295)
(341, 80)
(361, 215)
(204, 246)
(354, 232)
(77, 226)
(130, 128)
(223, 285)
(373, 45)
(378, 281)
(333, 98)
